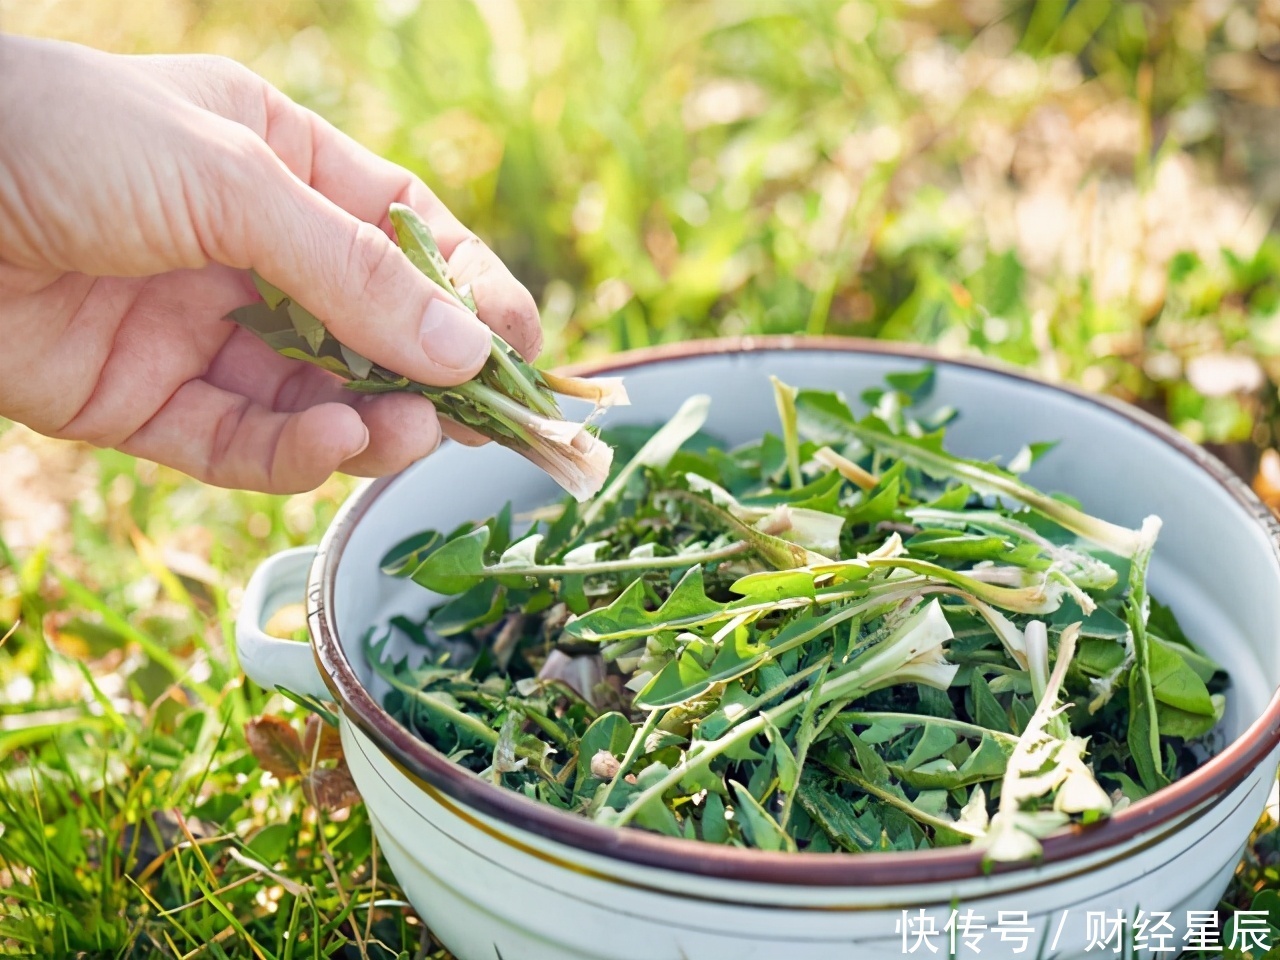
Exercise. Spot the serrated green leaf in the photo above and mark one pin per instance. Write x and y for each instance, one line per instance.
(332, 364)
(1143, 736)
(715, 826)
(985, 763)
(779, 553)
(785, 396)
(378, 386)
(822, 494)
(1174, 682)
(868, 759)
(272, 294)
(455, 565)
(1025, 458)
(761, 828)
(835, 818)
(880, 505)
(935, 740)
(419, 245)
(917, 384)
(405, 556)
(825, 416)
(626, 616)
(263, 320)
(483, 604)
(986, 708)
(310, 329)
(976, 548)
(784, 759)
(359, 366)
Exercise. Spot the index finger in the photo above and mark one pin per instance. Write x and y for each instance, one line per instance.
(366, 185)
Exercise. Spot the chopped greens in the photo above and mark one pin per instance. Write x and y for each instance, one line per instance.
(838, 638)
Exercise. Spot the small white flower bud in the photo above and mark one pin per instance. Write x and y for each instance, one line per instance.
(604, 765)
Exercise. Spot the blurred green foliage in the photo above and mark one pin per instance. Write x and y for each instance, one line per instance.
(1048, 183)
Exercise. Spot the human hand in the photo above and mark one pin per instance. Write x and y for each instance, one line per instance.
(135, 195)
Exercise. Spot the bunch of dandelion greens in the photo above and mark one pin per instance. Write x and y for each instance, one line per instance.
(838, 638)
(509, 401)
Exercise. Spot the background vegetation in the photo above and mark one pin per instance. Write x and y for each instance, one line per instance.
(1085, 188)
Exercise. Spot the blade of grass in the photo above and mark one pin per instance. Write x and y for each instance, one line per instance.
(82, 595)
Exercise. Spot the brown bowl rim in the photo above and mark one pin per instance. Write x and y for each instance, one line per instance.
(1204, 787)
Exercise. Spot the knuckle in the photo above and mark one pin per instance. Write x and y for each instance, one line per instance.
(290, 395)
(219, 65)
(235, 174)
(234, 159)
(432, 437)
(234, 78)
(471, 260)
(222, 443)
(249, 154)
(220, 85)
(219, 82)
(370, 265)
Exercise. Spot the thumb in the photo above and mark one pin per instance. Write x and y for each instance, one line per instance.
(347, 272)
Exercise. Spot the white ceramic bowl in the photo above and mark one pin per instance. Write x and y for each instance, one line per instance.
(499, 876)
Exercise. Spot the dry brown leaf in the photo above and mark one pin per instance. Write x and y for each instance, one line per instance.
(330, 743)
(280, 751)
(277, 746)
(331, 788)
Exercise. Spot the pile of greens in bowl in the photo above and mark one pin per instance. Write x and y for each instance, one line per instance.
(837, 637)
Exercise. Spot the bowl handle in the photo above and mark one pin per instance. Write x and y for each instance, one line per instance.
(271, 661)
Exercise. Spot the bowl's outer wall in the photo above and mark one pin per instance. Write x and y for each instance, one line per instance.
(488, 890)
(1215, 566)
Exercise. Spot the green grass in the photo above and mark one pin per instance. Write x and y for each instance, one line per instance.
(1085, 188)
(136, 823)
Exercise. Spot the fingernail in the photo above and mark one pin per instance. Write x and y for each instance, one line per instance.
(361, 446)
(453, 337)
